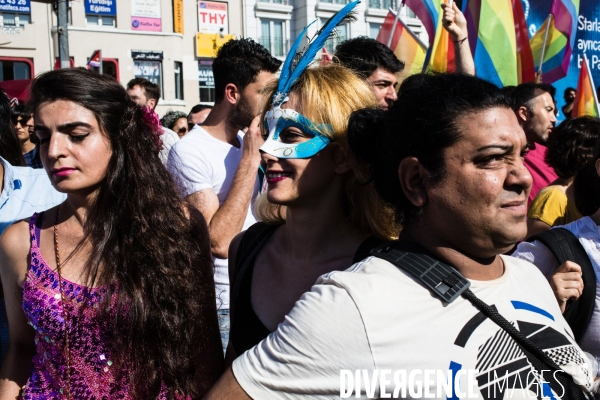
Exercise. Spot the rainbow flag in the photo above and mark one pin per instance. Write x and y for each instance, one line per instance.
(404, 43)
(586, 99)
(525, 64)
(561, 25)
(495, 53)
(440, 55)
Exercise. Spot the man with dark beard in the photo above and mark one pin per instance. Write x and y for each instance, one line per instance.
(216, 165)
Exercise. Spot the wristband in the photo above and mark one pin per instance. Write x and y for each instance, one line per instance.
(461, 40)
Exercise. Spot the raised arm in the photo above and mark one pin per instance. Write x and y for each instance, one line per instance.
(14, 251)
(456, 24)
(226, 221)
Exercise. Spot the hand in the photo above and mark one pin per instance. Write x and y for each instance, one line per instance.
(454, 22)
(538, 77)
(567, 283)
(253, 140)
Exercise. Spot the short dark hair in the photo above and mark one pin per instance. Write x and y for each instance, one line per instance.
(364, 55)
(569, 89)
(587, 185)
(20, 111)
(10, 148)
(571, 145)
(151, 90)
(523, 94)
(239, 62)
(169, 119)
(199, 107)
(421, 124)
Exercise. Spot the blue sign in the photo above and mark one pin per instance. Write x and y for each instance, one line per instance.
(587, 41)
(100, 7)
(16, 6)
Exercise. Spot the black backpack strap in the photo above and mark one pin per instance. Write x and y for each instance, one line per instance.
(565, 246)
(447, 283)
(252, 241)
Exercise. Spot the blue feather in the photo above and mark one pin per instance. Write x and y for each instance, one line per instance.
(289, 77)
(286, 70)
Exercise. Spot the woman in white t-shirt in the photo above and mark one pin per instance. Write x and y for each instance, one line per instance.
(566, 280)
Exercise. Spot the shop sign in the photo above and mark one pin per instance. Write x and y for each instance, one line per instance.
(101, 7)
(212, 17)
(145, 15)
(207, 44)
(146, 55)
(16, 6)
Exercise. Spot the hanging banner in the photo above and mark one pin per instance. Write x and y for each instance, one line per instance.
(212, 17)
(16, 6)
(587, 40)
(101, 7)
(145, 15)
(178, 16)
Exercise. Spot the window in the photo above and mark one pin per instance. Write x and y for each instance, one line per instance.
(340, 34)
(382, 4)
(374, 30)
(7, 19)
(334, 1)
(15, 69)
(271, 36)
(206, 82)
(285, 2)
(178, 80)
(151, 70)
(100, 20)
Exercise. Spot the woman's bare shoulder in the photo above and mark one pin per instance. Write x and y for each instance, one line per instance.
(14, 249)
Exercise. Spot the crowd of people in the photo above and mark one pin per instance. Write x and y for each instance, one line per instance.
(318, 223)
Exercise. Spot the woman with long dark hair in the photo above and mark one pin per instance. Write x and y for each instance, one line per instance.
(114, 296)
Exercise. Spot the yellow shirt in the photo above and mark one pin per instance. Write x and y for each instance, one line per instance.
(552, 206)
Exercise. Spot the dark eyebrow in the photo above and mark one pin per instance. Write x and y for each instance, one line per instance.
(506, 148)
(73, 125)
(65, 127)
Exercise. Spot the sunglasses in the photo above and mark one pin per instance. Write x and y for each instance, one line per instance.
(182, 130)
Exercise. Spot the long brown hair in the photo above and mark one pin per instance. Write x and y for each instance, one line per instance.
(142, 238)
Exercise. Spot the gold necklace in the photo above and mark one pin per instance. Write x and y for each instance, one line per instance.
(62, 303)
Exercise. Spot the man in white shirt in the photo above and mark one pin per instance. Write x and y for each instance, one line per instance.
(146, 94)
(216, 166)
(458, 185)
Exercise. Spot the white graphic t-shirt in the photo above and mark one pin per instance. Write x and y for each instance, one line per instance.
(374, 318)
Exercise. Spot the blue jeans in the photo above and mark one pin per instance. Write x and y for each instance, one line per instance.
(224, 325)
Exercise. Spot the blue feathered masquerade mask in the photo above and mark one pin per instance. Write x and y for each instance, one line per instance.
(278, 119)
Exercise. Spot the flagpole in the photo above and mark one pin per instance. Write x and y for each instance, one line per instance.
(545, 40)
(589, 72)
(101, 72)
(389, 42)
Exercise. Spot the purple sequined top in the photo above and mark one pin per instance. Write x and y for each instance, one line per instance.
(95, 373)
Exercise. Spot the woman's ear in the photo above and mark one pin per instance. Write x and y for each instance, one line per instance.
(597, 165)
(411, 175)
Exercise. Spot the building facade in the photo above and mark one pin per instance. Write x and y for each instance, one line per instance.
(154, 39)
(171, 42)
(276, 23)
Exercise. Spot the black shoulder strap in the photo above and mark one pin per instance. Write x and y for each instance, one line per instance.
(442, 279)
(565, 246)
(446, 282)
(252, 241)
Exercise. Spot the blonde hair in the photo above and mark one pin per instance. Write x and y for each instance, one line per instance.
(328, 95)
